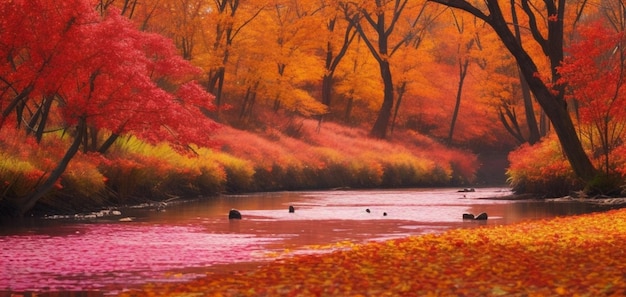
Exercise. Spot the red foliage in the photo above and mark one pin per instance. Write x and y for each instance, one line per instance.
(103, 70)
(594, 71)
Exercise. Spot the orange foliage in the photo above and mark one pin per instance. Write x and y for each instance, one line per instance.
(24, 164)
(347, 157)
(541, 168)
(571, 256)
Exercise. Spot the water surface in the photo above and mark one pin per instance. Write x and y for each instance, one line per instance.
(192, 238)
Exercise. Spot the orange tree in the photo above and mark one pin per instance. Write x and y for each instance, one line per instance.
(547, 33)
(377, 23)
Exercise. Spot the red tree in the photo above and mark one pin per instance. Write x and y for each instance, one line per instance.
(595, 71)
(70, 68)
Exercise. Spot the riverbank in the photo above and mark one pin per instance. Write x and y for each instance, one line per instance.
(133, 172)
(617, 202)
(578, 255)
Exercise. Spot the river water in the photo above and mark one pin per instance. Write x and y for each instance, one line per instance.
(136, 246)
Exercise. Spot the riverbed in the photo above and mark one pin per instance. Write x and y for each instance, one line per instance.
(114, 250)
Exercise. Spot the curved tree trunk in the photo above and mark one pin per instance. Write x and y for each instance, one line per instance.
(459, 92)
(555, 108)
(379, 130)
(551, 99)
(28, 202)
(531, 121)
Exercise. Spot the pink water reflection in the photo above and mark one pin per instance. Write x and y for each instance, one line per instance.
(194, 237)
(94, 256)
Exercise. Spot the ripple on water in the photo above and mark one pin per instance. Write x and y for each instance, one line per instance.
(100, 255)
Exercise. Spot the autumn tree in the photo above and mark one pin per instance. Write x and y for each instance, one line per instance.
(549, 35)
(288, 62)
(339, 35)
(410, 60)
(595, 72)
(501, 88)
(140, 12)
(72, 69)
(228, 19)
(357, 82)
(466, 31)
(376, 22)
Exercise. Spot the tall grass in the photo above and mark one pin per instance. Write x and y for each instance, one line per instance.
(133, 171)
(338, 156)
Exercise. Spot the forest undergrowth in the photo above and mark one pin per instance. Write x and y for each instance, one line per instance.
(568, 256)
(133, 171)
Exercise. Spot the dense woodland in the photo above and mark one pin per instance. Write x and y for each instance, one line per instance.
(116, 102)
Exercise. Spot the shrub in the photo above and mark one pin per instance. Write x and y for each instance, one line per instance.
(83, 178)
(541, 168)
(17, 177)
(224, 172)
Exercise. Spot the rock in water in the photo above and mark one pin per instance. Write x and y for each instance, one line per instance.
(234, 214)
(292, 209)
(468, 216)
(482, 216)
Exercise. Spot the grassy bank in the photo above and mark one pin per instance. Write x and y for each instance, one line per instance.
(572, 256)
(132, 171)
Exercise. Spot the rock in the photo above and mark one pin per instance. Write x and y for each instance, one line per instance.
(234, 214)
(292, 209)
(481, 217)
(468, 216)
(161, 206)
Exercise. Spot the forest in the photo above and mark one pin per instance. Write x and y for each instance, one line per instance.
(109, 102)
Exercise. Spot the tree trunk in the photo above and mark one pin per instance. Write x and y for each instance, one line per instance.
(555, 108)
(244, 104)
(379, 130)
(45, 113)
(550, 99)
(29, 201)
(108, 143)
(327, 85)
(531, 121)
(513, 128)
(348, 112)
(462, 73)
(13, 105)
(401, 91)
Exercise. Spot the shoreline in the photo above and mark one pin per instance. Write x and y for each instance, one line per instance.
(604, 201)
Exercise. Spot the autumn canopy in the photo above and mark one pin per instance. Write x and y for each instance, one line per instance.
(108, 101)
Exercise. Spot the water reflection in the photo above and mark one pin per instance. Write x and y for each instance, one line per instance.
(194, 237)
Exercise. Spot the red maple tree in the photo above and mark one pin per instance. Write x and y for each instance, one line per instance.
(71, 68)
(595, 71)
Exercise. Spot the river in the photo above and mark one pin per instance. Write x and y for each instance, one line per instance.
(130, 247)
